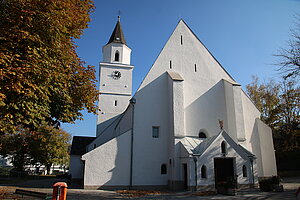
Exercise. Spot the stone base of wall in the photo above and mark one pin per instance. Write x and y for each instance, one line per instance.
(246, 186)
(203, 188)
(176, 185)
(125, 187)
(173, 185)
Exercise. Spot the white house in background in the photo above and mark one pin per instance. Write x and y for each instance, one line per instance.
(188, 126)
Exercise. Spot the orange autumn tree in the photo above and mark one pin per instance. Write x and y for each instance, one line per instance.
(42, 79)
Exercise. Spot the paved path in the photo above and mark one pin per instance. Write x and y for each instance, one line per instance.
(290, 186)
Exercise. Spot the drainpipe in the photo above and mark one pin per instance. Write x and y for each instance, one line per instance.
(251, 161)
(132, 102)
(195, 160)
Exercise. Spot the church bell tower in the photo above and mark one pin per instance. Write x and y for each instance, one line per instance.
(115, 78)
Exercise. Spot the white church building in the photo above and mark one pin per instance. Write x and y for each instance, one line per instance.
(189, 125)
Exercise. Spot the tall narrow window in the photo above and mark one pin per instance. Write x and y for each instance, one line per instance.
(224, 147)
(203, 172)
(170, 64)
(181, 40)
(195, 68)
(116, 102)
(117, 56)
(95, 146)
(163, 169)
(155, 131)
(245, 171)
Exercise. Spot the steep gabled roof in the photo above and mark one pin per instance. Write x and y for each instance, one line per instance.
(198, 146)
(204, 145)
(117, 35)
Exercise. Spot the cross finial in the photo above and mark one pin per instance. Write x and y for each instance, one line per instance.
(119, 15)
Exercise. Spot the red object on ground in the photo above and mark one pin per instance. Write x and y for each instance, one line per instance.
(59, 191)
(298, 194)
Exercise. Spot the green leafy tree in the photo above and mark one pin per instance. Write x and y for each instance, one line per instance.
(49, 146)
(42, 79)
(45, 146)
(16, 146)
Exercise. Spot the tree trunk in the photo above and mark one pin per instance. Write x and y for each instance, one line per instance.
(48, 167)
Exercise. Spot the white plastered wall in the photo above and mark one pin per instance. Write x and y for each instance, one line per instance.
(201, 87)
(109, 164)
(110, 49)
(151, 109)
(267, 150)
(76, 167)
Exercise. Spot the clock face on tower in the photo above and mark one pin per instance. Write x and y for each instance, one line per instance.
(116, 75)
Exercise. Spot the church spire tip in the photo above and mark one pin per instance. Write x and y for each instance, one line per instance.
(117, 36)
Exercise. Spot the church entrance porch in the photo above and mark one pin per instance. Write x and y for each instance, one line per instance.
(225, 180)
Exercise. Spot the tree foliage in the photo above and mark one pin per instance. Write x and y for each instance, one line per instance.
(280, 107)
(42, 79)
(49, 146)
(266, 98)
(45, 146)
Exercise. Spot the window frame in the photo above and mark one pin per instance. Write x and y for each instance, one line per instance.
(201, 132)
(117, 56)
(155, 128)
(224, 148)
(245, 171)
(163, 169)
(203, 172)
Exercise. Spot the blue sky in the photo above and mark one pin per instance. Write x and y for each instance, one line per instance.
(243, 35)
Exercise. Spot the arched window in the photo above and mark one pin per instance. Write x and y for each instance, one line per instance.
(245, 171)
(223, 147)
(203, 172)
(117, 56)
(202, 135)
(163, 169)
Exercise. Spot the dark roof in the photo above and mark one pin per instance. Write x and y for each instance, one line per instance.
(117, 35)
(204, 145)
(248, 153)
(79, 144)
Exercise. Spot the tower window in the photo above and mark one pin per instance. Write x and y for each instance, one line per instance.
(170, 64)
(195, 68)
(181, 40)
(116, 102)
(202, 135)
(203, 172)
(117, 56)
(223, 147)
(163, 169)
(155, 131)
(245, 171)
